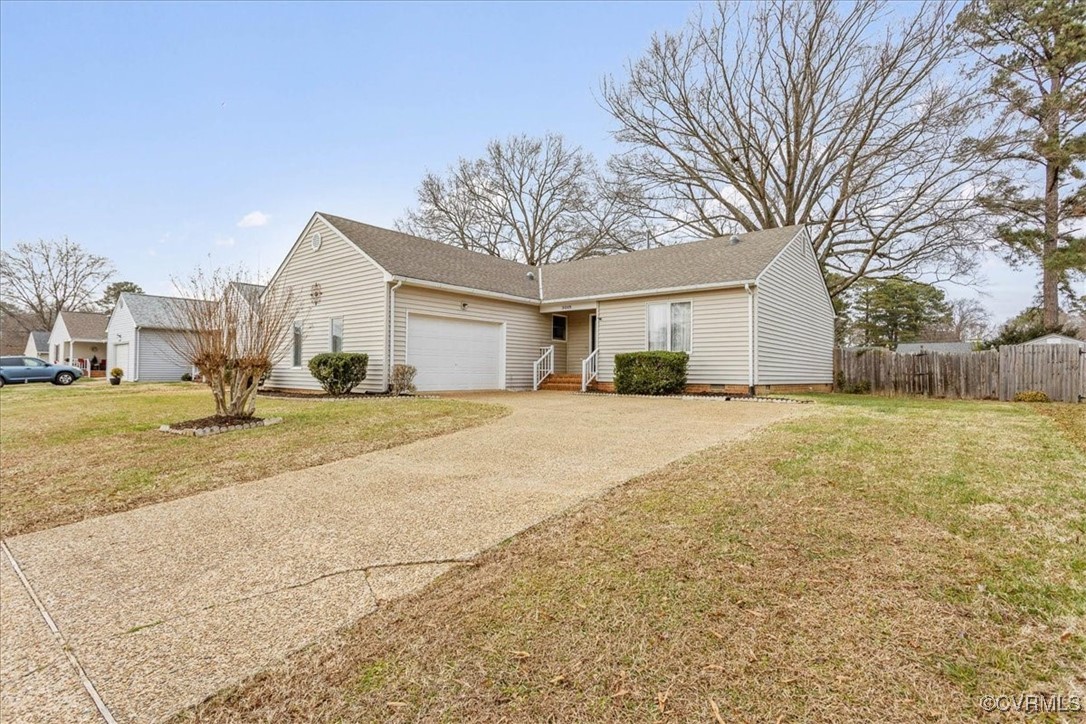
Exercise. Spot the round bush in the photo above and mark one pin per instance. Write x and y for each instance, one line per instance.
(650, 373)
(339, 372)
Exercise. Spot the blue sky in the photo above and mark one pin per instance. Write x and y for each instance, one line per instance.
(148, 132)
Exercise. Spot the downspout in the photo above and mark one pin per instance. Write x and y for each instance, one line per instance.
(750, 338)
(391, 331)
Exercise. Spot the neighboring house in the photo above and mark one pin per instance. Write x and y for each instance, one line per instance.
(1057, 339)
(145, 333)
(946, 347)
(752, 310)
(14, 327)
(37, 344)
(79, 339)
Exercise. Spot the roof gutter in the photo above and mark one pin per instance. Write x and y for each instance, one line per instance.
(391, 327)
(463, 290)
(742, 284)
(750, 338)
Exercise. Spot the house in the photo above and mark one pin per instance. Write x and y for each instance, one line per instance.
(37, 344)
(944, 347)
(1057, 339)
(79, 339)
(145, 334)
(752, 311)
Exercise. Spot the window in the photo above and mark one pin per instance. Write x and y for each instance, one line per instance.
(33, 362)
(669, 326)
(297, 359)
(558, 327)
(337, 335)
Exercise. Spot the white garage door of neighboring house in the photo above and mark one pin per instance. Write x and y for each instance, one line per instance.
(455, 354)
(120, 351)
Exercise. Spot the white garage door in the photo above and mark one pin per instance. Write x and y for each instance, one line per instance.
(454, 354)
(120, 351)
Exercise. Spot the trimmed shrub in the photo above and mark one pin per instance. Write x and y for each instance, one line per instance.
(339, 372)
(187, 377)
(650, 373)
(1031, 396)
(403, 379)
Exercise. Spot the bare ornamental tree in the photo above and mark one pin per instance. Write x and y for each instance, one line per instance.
(775, 113)
(232, 339)
(534, 200)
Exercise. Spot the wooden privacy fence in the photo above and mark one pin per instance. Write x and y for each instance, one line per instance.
(1058, 370)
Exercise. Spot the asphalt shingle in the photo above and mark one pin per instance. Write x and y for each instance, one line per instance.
(721, 260)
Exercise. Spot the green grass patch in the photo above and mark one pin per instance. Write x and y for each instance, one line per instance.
(69, 453)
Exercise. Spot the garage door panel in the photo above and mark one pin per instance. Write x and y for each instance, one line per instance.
(454, 354)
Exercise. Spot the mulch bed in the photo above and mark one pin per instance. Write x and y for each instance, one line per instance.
(214, 421)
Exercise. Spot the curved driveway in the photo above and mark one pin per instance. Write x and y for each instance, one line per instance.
(165, 604)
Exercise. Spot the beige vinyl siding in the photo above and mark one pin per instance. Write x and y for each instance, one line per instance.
(526, 330)
(578, 341)
(719, 350)
(352, 288)
(794, 320)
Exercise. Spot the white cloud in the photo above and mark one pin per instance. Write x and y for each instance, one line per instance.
(227, 241)
(253, 218)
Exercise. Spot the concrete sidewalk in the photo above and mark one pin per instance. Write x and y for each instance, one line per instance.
(166, 604)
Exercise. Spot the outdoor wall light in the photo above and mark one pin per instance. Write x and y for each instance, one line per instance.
(463, 305)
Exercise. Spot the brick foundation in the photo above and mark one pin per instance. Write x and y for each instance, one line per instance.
(701, 389)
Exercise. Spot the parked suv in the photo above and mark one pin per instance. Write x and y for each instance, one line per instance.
(32, 369)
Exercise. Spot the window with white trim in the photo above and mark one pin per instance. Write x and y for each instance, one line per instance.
(337, 335)
(297, 345)
(669, 326)
(558, 327)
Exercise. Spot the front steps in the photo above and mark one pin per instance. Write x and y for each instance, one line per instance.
(561, 383)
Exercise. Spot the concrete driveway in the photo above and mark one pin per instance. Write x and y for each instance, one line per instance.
(161, 606)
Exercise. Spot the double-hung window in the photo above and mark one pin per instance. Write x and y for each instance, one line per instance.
(669, 326)
(296, 359)
(337, 335)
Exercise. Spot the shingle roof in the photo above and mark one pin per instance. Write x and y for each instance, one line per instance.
(41, 340)
(698, 263)
(712, 261)
(90, 326)
(154, 312)
(951, 347)
(250, 292)
(417, 258)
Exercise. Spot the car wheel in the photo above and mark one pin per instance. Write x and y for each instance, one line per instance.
(65, 378)
(2, 382)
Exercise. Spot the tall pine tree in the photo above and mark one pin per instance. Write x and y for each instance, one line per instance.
(1035, 51)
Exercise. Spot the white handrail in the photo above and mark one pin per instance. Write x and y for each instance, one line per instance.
(543, 366)
(589, 369)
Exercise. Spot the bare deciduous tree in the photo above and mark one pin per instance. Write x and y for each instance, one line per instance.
(775, 113)
(534, 200)
(47, 277)
(232, 339)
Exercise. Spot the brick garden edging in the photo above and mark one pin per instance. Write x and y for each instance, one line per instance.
(216, 429)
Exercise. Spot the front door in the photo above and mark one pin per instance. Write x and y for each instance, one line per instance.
(592, 341)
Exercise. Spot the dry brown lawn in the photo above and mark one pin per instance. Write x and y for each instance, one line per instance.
(68, 453)
(880, 560)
